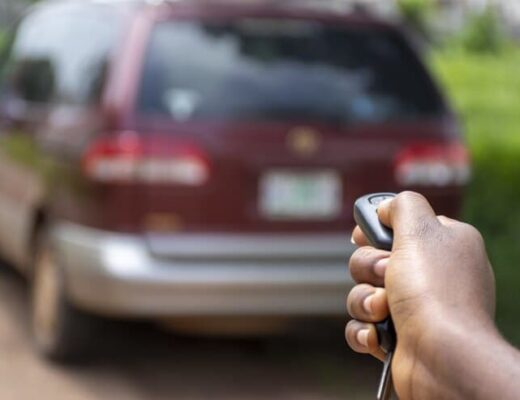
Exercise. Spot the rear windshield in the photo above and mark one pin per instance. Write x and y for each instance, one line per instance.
(282, 70)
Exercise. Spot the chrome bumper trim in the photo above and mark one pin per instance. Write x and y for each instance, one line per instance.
(115, 274)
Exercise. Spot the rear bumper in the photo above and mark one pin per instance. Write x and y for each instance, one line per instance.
(121, 275)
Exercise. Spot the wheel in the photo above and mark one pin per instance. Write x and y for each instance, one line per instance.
(60, 331)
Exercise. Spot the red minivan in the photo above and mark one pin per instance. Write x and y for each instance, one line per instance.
(196, 163)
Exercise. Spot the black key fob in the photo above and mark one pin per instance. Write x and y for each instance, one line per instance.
(365, 215)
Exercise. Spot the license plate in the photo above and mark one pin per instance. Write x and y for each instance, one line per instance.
(290, 195)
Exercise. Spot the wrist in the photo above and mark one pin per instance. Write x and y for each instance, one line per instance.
(450, 356)
(432, 326)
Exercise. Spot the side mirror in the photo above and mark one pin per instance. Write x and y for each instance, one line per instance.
(34, 80)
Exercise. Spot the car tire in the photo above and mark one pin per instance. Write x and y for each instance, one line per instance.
(60, 331)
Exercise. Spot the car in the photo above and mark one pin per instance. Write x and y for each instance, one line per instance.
(196, 163)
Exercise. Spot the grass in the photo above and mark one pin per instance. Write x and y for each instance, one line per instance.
(485, 89)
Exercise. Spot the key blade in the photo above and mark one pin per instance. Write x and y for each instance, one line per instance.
(385, 385)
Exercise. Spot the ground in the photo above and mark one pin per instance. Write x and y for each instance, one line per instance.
(140, 362)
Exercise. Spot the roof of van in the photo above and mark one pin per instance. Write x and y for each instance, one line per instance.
(324, 6)
(331, 5)
(319, 8)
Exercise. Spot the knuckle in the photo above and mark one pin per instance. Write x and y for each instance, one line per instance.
(406, 201)
(348, 329)
(349, 305)
(471, 234)
(351, 326)
(422, 227)
(350, 332)
(359, 256)
(405, 198)
(353, 300)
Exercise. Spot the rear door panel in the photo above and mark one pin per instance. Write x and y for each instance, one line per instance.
(241, 155)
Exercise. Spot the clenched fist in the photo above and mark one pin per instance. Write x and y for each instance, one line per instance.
(438, 285)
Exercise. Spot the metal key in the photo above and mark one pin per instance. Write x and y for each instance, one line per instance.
(387, 341)
(385, 384)
(380, 237)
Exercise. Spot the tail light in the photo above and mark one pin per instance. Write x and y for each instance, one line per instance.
(433, 164)
(125, 159)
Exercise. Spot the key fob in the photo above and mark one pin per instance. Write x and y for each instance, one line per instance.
(365, 215)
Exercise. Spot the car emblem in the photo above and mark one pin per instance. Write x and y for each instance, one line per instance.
(304, 141)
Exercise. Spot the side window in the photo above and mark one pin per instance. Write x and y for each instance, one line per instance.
(30, 69)
(61, 54)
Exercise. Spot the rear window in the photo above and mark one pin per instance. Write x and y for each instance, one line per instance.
(282, 70)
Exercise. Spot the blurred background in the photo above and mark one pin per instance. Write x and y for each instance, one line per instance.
(473, 49)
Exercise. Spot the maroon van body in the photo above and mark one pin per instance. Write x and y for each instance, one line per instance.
(126, 193)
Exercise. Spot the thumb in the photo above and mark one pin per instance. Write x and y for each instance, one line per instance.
(408, 214)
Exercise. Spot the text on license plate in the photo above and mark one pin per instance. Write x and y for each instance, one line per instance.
(292, 195)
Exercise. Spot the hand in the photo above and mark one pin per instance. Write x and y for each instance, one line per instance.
(436, 282)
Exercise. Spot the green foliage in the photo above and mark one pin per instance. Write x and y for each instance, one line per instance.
(416, 14)
(482, 33)
(486, 90)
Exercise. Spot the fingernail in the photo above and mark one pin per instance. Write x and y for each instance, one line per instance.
(381, 266)
(352, 240)
(367, 304)
(362, 337)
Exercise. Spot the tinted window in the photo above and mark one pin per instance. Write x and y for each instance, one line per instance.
(282, 71)
(60, 54)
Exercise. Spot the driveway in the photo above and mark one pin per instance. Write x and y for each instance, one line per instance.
(142, 362)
